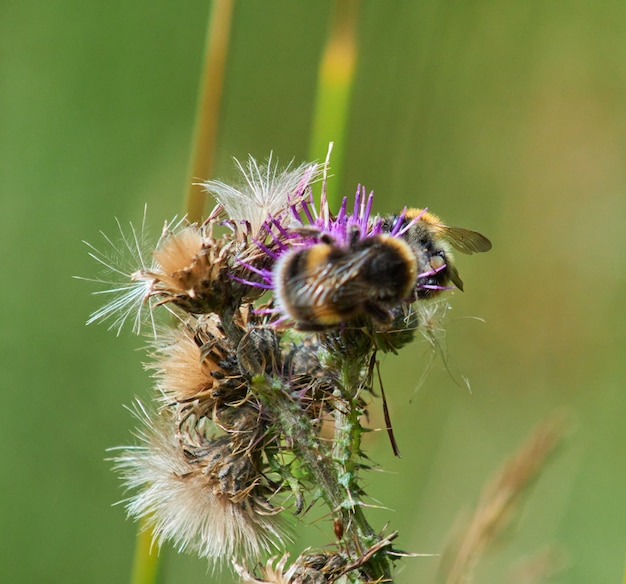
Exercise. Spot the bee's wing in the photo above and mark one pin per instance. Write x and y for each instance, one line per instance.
(465, 240)
(453, 274)
(319, 286)
(348, 268)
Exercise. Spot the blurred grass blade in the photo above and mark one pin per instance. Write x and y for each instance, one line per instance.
(146, 561)
(207, 114)
(499, 499)
(334, 88)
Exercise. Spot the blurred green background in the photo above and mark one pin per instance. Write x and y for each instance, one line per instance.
(505, 117)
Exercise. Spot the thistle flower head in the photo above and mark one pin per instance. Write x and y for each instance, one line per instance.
(342, 228)
(263, 191)
(329, 269)
(191, 269)
(237, 433)
(197, 363)
(272, 573)
(183, 499)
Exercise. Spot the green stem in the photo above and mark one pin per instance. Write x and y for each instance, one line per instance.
(334, 477)
(347, 446)
(334, 88)
(207, 113)
(146, 561)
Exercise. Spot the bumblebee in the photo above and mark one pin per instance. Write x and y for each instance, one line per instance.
(327, 284)
(432, 242)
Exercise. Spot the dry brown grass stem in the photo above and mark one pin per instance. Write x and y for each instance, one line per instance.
(207, 115)
(498, 501)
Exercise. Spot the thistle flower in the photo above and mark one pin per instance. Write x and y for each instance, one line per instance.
(329, 270)
(236, 437)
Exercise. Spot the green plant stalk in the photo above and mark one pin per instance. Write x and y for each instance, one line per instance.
(208, 108)
(146, 560)
(334, 89)
(146, 557)
(335, 476)
(347, 446)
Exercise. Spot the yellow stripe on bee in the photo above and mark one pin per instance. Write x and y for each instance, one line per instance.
(426, 217)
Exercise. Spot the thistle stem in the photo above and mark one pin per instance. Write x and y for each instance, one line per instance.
(334, 476)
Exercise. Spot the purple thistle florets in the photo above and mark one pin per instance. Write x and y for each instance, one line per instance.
(342, 230)
(321, 264)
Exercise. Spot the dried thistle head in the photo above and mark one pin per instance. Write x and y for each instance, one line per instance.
(189, 267)
(197, 362)
(273, 572)
(322, 568)
(264, 192)
(197, 272)
(203, 498)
